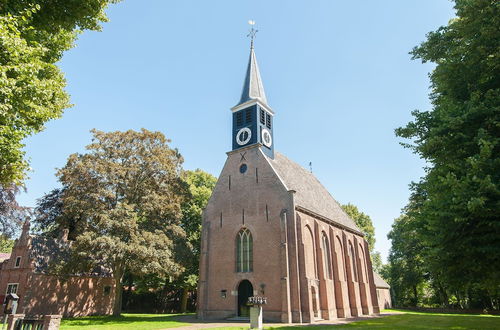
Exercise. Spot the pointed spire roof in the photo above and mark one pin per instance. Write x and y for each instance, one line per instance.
(253, 89)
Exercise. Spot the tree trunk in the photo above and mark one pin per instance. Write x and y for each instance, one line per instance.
(117, 306)
(415, 293)
(184, 299)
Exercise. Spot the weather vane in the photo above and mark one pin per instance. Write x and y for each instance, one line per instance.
(252, 32)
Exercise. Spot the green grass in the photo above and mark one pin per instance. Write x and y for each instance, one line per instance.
(405, 320)
(410, 320)
(125, 321)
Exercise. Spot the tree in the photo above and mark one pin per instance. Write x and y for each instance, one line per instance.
(127, 194)
(406, 272)
(459, 139)
(364, 222)
(200, 186)
(33, 36)
(12, 215)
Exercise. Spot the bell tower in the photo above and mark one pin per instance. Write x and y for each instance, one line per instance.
(252, 117)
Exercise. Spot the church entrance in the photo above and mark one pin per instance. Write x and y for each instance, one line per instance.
(245, 291)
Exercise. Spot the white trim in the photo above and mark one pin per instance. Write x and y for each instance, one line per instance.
(250, 103)
(266, 143)
(240, 133)
(9, 284)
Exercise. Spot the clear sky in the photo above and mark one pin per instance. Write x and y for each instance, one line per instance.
(337, 74)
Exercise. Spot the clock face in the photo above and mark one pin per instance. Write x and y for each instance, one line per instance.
(244, 135)
(267, 140)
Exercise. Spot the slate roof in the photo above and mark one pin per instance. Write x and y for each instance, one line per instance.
(253, 89)
(309, 192)
(46, 250)
(379, 281)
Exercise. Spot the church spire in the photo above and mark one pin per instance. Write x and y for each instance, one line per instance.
(253, 89)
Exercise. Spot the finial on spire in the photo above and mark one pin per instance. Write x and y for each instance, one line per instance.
(252, 32)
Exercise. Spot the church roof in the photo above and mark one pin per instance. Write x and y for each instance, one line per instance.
(253, 89)
(309, 192)
(379, 281)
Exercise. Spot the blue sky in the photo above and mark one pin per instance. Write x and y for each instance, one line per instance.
(337, 74)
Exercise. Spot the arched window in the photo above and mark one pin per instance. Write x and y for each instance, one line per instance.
(327, 260)
(244, 251)
(339, 251)
(354, 266)
(310, 254)
(364, 268)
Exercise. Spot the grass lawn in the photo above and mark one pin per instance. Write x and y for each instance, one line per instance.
(406, 320)
(125, 321)
(411, 320)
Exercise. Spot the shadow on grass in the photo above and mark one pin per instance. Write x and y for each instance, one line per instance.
(122, 319)
(417, 321)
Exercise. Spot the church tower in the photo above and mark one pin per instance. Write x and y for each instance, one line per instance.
(271, 229)
(252, 116)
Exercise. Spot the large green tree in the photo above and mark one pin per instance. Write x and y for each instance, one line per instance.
(200, 185)
(364, 222)
(459, 196)
(126, 193)
(34, 34)
(406, 272)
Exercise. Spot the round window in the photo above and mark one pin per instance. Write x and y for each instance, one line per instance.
(243, 168)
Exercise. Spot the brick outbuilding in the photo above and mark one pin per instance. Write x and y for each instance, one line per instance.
(26, 273)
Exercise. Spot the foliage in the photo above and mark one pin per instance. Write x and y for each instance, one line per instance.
(49, 215)
(377, 264)
(6, 244)
(33, 36)
(125, 194)
(454, 207)
(406, 271)
(364, 222)
(200, 185)
(12, 215)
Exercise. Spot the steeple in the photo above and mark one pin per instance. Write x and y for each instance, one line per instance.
(252, 117)
(253, 89)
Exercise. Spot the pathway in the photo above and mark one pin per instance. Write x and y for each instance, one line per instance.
(198, 324)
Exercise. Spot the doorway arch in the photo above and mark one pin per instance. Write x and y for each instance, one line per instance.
(245, 291)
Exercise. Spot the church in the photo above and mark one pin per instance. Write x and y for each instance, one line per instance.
(272, 229)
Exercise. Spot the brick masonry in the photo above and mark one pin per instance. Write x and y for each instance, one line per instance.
(42, 294)
(290, 243)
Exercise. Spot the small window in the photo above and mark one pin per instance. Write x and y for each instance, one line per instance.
(18, 262)
(248, 116)
(239, 118)
(12, 288)
(243, 168)
(262, 117)
(268, 120)
(107, 290)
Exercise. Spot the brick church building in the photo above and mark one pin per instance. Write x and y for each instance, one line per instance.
(272, 229)
(26, 272)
